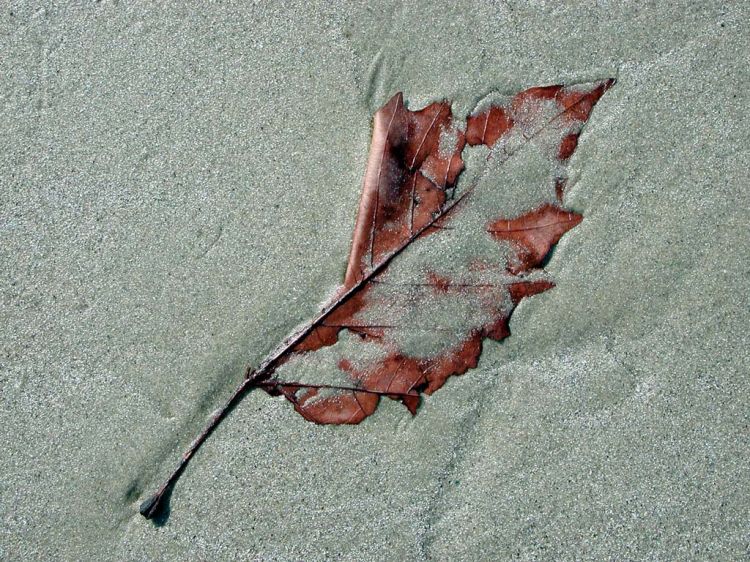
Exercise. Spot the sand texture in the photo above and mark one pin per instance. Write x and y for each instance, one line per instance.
(178, 187)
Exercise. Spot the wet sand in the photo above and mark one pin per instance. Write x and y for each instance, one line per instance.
(178, 192)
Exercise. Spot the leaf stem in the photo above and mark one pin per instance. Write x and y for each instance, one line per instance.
(153, 506)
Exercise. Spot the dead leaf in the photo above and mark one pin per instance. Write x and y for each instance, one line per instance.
(436, 265)
(399, 282)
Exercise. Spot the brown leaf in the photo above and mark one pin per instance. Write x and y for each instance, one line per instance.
(436, 265)
(420, 314)
(534, 233)
(405, 181)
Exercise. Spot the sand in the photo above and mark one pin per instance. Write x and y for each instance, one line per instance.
(178, 190)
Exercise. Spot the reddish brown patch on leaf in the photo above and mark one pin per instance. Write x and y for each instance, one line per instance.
(439, 282)
(399, 374)
(568, 146)
(536, 94)
(534, 234)
(488, 126)
(455, 362)
(326, 333)
(320, 336)
(349, 406)
(524, 289)
(581, 103)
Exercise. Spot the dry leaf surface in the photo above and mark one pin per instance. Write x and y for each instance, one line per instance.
(437, 265)
(435, 268)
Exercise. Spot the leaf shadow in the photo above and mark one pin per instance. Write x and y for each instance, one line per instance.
(161, 512)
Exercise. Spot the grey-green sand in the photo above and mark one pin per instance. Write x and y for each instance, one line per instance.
(178, 187)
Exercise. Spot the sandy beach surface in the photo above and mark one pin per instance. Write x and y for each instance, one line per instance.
(178, 186)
